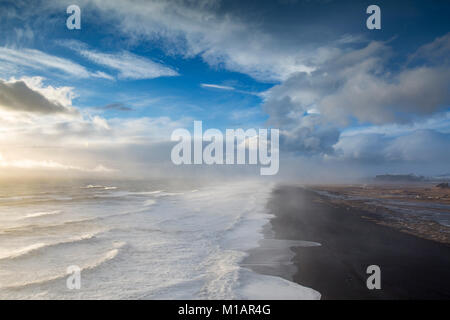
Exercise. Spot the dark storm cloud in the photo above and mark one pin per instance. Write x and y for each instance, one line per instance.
(17, 96)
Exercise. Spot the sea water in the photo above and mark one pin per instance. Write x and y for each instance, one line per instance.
(135, 240)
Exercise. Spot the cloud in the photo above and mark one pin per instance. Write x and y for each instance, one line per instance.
(388, 99)
(116, 106)
(300, 131)
(24, 34)
(38, 60)
(130, 66)
(436, 52)
(227, 88)
(419, 146)
(216, 86)
(327, 80)
(246, 114)
(267, 41)
(308, 136)
(360, 84)
(49, 164)
(127, 64)
(210, 29)
(426, 146)
(28, 95)
(362, 148)
(85, 144)
(439, 122)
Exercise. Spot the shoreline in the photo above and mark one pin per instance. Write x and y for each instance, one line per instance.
(411, 267)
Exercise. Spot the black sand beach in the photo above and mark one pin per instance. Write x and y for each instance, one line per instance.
(411, 267)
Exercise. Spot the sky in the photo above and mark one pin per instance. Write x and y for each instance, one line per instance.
(104, 100)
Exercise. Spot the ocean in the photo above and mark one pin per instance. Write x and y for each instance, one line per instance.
(136, 240)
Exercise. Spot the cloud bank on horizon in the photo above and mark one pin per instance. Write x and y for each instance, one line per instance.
(104, 99)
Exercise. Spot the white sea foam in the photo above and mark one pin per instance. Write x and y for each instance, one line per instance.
(93, 186)
(147, 192)
(168, 194)
(263, 287)
(149, 202)
(21, 251)
(43, 213)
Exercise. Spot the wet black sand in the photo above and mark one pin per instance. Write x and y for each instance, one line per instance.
(411, 267)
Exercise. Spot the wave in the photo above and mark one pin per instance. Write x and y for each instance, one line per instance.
(168, 194)
(35, 227)
(149, 202)
(39, 246)
(265, 287)
(33, 199)
(40, 214)
(22, 251)
(18, 198)
(108, 256)
(143, 193)
(94, 186)
(148, 192)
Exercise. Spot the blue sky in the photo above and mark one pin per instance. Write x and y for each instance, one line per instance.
(343, 96)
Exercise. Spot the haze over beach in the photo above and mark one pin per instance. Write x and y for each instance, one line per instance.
(224, 149)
